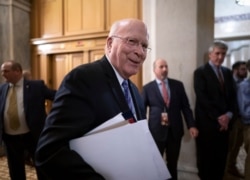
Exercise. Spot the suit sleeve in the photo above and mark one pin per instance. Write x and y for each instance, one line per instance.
(186, 110)
(71, 116)
(49, 93)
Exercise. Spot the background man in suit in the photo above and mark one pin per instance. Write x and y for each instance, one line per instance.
(168, 137)
(30, 116)
(215, 106)
(90, 95)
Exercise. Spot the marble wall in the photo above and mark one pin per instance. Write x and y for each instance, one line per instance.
(15, 31)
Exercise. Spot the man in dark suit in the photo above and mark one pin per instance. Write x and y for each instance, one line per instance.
(90, 95)
(168, 136)
(214, 110)
(30, 116)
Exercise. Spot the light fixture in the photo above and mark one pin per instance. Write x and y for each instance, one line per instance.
(243, 2)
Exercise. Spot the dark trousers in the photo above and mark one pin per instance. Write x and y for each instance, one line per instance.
(16, 145)
(212, 149)
(171, 148)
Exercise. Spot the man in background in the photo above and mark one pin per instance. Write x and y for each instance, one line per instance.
(165, 114)
(22, 116)
(236, 135)
(244, 110)
(215, 109)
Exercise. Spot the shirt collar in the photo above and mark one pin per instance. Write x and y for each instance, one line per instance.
(212, 65)
(120, 79)
(19, 83)
(159, 81)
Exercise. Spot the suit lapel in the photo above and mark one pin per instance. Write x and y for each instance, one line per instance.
(172, 91)
(114, 85)
(214, 76)
(224, 74)
(156, 89)
(137, 101)
(4, 96)
(117, 90)
(26, 94)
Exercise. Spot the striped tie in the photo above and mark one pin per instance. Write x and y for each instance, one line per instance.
(127, 94)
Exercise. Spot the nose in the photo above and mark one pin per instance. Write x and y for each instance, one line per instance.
(140, 50)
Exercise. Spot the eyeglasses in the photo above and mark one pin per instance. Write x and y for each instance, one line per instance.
(134, 43)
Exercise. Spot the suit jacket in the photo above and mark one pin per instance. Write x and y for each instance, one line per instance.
(211, 101)
(88, 96)
(34, 95)
(179, 105)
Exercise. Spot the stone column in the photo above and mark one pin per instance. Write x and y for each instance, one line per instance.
(15, 31)
(180, 32)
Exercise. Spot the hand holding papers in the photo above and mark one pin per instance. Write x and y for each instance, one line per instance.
(120, 150)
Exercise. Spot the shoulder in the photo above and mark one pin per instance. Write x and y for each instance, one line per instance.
(92, 69)
(34, 82)
(202, 68)
(3, 86)
(150, 84)
(174, 81)
(176, 84)
(245, 83)
(226, 69)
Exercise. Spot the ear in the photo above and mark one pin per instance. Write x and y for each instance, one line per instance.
(109, 43)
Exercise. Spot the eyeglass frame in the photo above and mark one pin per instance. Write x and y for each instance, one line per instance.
(133, 43)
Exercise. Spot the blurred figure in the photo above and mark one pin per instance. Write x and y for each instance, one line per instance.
(22, 117)
(215, 107)
(165, 114)
(244, 109)
(239, 69)
(27, 74)
(236, 135)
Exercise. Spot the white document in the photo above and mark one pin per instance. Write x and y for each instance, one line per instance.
(122, 151)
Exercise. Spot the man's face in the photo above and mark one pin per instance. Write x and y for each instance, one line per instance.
(127, 50)
(242, 71)
(9, 74)
(161, 69)
(217, 56)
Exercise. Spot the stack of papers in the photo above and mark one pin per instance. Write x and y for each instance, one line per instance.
(119, 150)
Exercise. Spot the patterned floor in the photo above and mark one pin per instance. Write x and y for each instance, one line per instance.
(4, 172)
(31, 175)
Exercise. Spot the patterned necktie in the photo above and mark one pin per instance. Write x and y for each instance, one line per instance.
(12, 109)
(165, 93)
(220, 77)
(127, 94)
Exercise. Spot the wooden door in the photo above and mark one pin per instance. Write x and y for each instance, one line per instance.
(63, 63)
